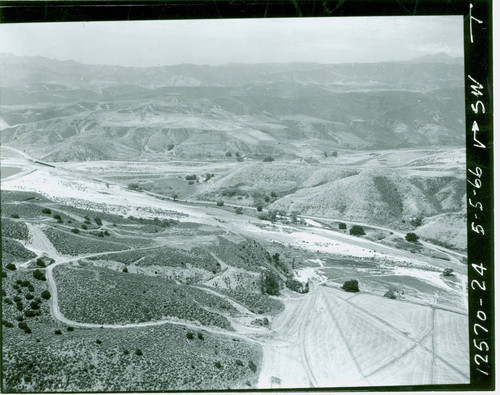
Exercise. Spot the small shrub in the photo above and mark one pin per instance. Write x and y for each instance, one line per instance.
(357, 230)
(342, 226)
(31, 288)
(190, 182)
(126, 352)
(15, 216)
(70, 329)
(4, 275)
(351, 286)
(11, 266)
(8, 324)
(30, 313)
(190, 335)
(40, 263)
(239, 362)
(58, 332)
(56, 216)
(411, 237)
(252, 366)
(200, 336)
(238, 210)
(220, 203)
(191, 177)
(448, 272)
(391, 294)
(25, 283)
(84, 227)
(98, 341)
(75, 230)
(29, 296)
(134, 186)
(39, 275)
(35, 305)
(229, 154)
(259, 208)
(138, 352)
(125, 270)
(22, 325)
(46, 211)
(268, 159)
(218, 365)
(27, 330)
(45, 294)
(98, 221)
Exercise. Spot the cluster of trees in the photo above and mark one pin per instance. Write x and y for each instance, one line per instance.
(270, 283)
(191, 177)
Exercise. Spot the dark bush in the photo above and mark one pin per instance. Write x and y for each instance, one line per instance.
(40, 263)
(220, 203)
(8, 324)
(390, 294)
(84, 227)
(74, 230)
(39, 275)
(25, 283)
(98, 341)
(126, 352)
(70, 329)
(342, 226)
(270, 283)
(411, 237)
(190, 335)
(200, 336)
(138, 352)
(27, 330)
(218, 365)
(46, 211)
(45, 294)
(191, 177)
(10, 266)
(134, 186)
(56, 216)
(268, 159)
(58, 332)
(125, 270)
(448, 272)
(239, 362)
(229, 154)
(35, 305)
(357, 230)
(22, 325)
(4, 275)
(15, 216)
(238, 210)
(351, 286)
(252, 366)
(30, 313)
(259, 208)
(31, 288)
(29, 296)
(98, 221)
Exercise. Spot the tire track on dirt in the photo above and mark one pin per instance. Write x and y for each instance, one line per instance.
(344, 340)
(402, 334)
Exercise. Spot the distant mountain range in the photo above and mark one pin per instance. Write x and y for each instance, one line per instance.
(64, 110)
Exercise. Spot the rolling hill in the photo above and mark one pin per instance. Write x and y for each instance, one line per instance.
(65, 111)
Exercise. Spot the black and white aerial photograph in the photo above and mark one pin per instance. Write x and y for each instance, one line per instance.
(233, 204)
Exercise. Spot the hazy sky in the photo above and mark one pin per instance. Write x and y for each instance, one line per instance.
(155, 43)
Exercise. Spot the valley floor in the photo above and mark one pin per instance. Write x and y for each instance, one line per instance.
(325, 338)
